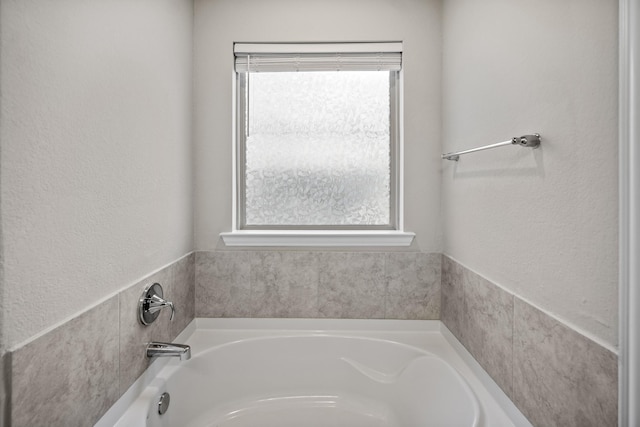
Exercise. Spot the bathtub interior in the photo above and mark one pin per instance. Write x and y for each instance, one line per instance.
(318, 374)
(317, 380)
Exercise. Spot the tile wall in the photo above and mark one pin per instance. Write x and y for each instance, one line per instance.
(5, 361)
(554, 375)
(72, 374)
(357, 285)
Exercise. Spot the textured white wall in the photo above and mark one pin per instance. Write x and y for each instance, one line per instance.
(541, 223)
(96, 180)
(218, 23)
(95, 160)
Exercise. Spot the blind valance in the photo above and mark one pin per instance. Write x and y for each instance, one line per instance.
(275, 57)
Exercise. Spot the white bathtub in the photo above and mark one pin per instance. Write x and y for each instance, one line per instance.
(307, 372)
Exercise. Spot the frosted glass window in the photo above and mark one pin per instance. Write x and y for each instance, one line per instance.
(317, 149)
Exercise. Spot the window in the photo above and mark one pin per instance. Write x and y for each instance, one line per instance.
(317, 136)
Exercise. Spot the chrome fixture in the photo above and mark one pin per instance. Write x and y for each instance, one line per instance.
(163, 403)
(531, 141)
(167, 349)
(150, 304)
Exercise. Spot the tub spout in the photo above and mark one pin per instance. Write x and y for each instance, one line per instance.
(165, 349)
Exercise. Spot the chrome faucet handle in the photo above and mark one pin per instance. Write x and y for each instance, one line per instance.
(157, 303)
(151, 303)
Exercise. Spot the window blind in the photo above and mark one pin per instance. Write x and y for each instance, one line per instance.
(277, 57)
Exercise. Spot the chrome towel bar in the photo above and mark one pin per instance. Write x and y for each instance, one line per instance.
(531, 141)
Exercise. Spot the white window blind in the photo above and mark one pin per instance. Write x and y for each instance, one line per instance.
(278, 57)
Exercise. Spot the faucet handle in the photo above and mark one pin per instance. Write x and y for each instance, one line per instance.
(157, 303)
(150, 304)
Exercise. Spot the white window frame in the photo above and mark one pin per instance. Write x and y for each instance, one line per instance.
(304, 236)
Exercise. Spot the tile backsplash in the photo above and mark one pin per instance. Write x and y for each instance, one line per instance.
(68, 377)
(560, 377)
(554, 375)
(358, 285)
(71, 375)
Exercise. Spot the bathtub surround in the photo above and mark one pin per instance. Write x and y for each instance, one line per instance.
(480, 315)
(561, 377)
(66, 377)
(177, 281)
(315, 284)
(5, 389)
(554, 375)
(71, 375)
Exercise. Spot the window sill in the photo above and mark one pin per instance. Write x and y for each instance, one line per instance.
(317, 238)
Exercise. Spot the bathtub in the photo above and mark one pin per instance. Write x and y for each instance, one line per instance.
(313, 373)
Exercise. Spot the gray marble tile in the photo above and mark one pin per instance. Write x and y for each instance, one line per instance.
(561, 378)
(285, 284)
(133, 335)
(181, 292)
(408, 272)
(413, 285)
(488, 328)
(410, 307)
(69, 376)
(223, 284)
(352, 285)
(452, 296)
(5, 375)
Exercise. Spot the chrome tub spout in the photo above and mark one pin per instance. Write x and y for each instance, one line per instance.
(165, 349)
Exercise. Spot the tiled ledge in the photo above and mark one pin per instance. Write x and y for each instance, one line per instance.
(71, 375)
(554, 375)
